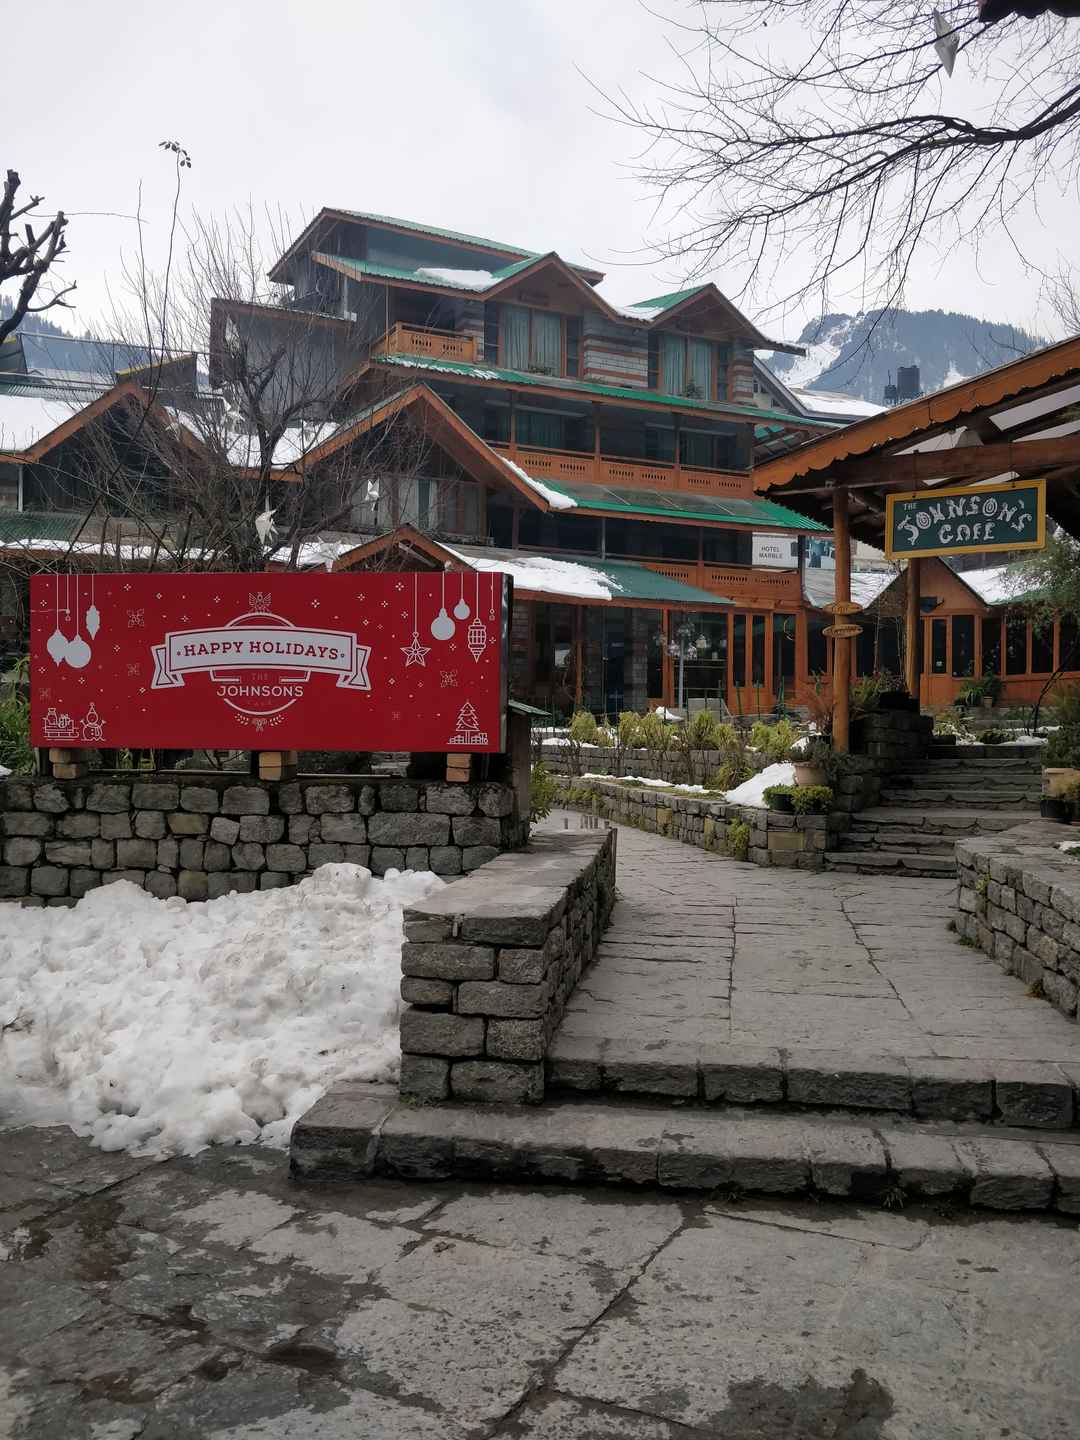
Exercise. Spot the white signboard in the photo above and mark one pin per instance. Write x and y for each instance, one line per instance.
(778, 552)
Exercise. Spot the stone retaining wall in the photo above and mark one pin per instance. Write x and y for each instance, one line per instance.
(489, 963)
(1019, 901)
(794, 841)
(202, 835)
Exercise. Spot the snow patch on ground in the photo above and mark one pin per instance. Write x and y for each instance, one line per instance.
(752, 791)
(160, 1027)
(658, 784)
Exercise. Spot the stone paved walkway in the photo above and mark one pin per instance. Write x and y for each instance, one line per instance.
(210, 1299)
(704, 949)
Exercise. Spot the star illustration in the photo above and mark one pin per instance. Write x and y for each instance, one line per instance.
(415, 653)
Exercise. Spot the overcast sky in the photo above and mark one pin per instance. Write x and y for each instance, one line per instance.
(468, 114)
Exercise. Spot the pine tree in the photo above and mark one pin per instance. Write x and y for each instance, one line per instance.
(467, 718)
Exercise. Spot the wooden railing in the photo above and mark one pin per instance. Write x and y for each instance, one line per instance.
(626, 474)
(435, 344)
(741, 584)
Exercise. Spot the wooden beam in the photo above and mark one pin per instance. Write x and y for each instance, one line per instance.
(912, 615)
(841, 726)
(975, 461)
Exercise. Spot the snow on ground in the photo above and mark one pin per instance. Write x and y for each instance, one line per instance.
(160, 1027)
(752, 791)
(644, 780)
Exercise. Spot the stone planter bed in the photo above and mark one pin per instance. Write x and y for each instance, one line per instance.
(1019, 901)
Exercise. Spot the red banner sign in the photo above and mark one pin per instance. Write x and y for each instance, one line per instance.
(277, 661)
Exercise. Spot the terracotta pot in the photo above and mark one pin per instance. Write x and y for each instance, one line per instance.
(809, 774)
(986, 701)
(1056, 782)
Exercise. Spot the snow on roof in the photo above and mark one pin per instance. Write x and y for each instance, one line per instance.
(997, 584)
(555, 498)
(461, 279)
(26, 419)
(866, 586)
(539, 572)
(833, 402)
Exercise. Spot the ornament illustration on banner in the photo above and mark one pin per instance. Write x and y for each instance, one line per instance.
(467, 731)
(56, 644)
(75, 652)
(477, 631)
(93, 615)
(59, 727)
(442, 627)
(461, 609)
(93, 728)
(414, 652)
(78, 651)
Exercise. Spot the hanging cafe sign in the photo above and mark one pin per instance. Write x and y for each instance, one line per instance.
(962, 520)
(283, 661)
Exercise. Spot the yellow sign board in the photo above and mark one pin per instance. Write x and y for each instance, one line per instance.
(965, 519)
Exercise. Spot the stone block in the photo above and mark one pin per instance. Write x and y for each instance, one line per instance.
(23, 822)
(248, 856)
(946, 1089)
(1007, 1177)
(344, 829)
(116, 827)
(785, 841)
(416, 857)
(83, 879)
(522, 967)
(192, 854)
(103, 854)
(22, 850)
(192, 885)
(825, 1077)
(266, 829)
(445, 859)
(496, 1082)
(1064, 1161)
(431, 1032)
(79, 826)
(157, 883)
(16, 794)
(133, 877)
(442, 961)
(329, 799)
(925, 1165)
(449, 799)
(201, 799)
(492, 997)
(158, 795)
(399, 796)
(185, 824)
(741, 1074)
(1031, 1093)
(290, 798)
(366, 800)
(846, 1162)
(325, 855)
(437, 994)
(701, 1152)
(149, 824)
(111, 799)
(476, 855)
(275, 880)
(224, 830)
(71, 852)
(424, 1077)
(425, 931)
(48, 880)
(14, 881)
(668, 1070)
(515, 1039)
(495, 801)
(357, 855)
(303, 829)
(245, 800)
(386, 857)
(405, 829)
(286, 857)
(168, 854)
(477, 830)
(1060, 991)
(136, 854)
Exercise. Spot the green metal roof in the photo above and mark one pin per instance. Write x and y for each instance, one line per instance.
(467, 370)
(371, 219)
(360, 268)
(19, 526)
(672, 506)
(626, 579)
(665, 302)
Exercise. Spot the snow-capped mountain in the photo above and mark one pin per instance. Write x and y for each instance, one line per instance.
(860, 354)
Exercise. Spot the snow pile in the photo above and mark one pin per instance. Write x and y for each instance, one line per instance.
(161, 1026)
(657, 784)
(461, 279)
(752, 791)
(555, 498)
(4, 771)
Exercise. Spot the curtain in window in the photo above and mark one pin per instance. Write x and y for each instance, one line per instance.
(672, 364)
(723, 355)
(536, 427)
(698, 449)
(701, 367)
(515, 337)
(547, 342)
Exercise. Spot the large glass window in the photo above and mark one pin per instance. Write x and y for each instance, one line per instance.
(991, 645)
(540, 428)
(1069, 644)
(817, 644)
(783, 634)
(1042, 649)
(865, 650)
(705, 676)
(963, 645)
(738, 650)
(1016, 645)
(727, 547)
(757, 652)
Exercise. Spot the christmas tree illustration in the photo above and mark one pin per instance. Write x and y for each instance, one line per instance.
(467, 731)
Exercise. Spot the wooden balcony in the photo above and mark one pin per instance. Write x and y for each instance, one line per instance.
(582, 466)
(434, 344)
(759, 589)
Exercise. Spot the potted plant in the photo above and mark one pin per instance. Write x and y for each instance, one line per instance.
(1061, 770)
(779, 797)
(811, 799)
(812, 762)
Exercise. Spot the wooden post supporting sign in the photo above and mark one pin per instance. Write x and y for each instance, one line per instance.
(841, 643)
(912, 620)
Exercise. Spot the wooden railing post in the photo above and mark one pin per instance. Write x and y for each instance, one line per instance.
(841, 729)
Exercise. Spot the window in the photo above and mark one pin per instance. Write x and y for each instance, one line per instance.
(817, 644)
(1016, 645)
(540, 428)
(757, 653)
(738, 650)
(573, 346)
(1042, 649)
(659, 444)
(1069, 644)
(532, 340)
(496, 424)
(783, 634)
(723, 357)
(991, 645)
(865, 648)
(685, 367)
(491, 332)
(939, 641)
(727, 547)
(963, 645)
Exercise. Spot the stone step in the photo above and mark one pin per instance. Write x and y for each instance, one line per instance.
(992, 781)
(984, 752)
(1031, 763)
(971, 797)
(357, 1132)
(929, 864)
(903, 842)
(952, 822)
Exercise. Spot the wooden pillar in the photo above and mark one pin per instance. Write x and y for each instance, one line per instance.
(666, 664)
(912, 615)
(841, 645)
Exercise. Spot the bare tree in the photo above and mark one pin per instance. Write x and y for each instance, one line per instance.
(29, 259)
(823, 142)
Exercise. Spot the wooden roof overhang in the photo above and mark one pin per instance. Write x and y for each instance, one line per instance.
(124, 390)
(1019, 421)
